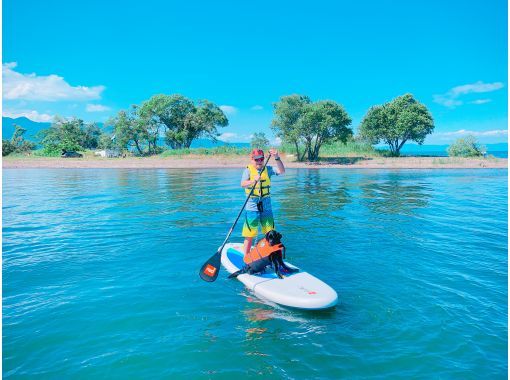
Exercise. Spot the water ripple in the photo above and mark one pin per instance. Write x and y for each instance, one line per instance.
(100, 275)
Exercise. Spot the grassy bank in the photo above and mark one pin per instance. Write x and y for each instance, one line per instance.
(338, 149)
(350, 149)
(220, 150)
(337, 152)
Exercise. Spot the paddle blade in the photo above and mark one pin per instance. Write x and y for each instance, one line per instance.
(211, 268)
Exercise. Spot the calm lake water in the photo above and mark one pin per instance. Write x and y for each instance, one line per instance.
(100, 275)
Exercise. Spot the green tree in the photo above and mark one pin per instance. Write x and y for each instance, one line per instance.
(207, 119)
(259, 140)
(288, 111)
(466, 147)
(181, 120)
(159, 114)
(394, 123)
(63, 135)
(130, 130)
(18, 141)
(17, 136)
(323, 122)
(92, 134)
(308, 124)
(107, 141)
(7, 147)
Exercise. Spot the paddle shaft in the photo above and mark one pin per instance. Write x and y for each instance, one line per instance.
(244, 205)
(211, 268)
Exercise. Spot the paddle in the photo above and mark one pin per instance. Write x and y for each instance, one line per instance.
(211, 268)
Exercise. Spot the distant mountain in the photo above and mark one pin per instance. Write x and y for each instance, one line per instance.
(32, 127)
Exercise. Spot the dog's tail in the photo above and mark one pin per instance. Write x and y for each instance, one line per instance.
(235, 274)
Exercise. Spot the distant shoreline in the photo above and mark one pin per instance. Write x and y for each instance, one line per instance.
(219, 161)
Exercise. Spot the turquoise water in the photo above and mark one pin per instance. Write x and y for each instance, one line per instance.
(100, 276)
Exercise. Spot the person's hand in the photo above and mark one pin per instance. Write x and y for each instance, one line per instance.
(274, 152)
(256, 178)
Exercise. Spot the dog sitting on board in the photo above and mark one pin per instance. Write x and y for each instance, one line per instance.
(268, 251)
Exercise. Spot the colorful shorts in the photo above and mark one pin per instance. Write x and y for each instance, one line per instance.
(252, 220)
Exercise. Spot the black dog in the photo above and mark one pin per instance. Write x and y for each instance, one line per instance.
(271, 243)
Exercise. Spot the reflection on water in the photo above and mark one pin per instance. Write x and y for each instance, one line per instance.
(175, 195)
(394, 195)
(311, 194)
(255, 315)
(100, 269)
(258, 315)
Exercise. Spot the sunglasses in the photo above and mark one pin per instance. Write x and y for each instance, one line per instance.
(259, 159)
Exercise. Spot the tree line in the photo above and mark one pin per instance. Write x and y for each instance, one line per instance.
(17, 143)
(176, 118)
(174, 121)
(171, 120)
(308, 125)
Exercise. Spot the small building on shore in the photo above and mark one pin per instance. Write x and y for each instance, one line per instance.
(108, 153)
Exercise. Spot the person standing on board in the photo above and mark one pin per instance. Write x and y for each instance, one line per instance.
(258, 209)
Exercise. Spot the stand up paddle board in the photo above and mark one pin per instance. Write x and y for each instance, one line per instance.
(299, 290)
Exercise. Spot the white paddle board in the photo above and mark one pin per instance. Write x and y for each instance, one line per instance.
(299, 290)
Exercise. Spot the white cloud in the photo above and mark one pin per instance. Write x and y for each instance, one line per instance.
(230, 137)
(450, 99)
(257, 108)
(96, 108)
(446, 101)
(480, 101)
(18, 86)
(9, 65)
(476, 88)
(229, 110)
(276, 142)
(32, 115)
(227, 137)
(464, 132)
(234, 137)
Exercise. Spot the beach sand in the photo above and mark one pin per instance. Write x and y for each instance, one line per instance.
(219, 161)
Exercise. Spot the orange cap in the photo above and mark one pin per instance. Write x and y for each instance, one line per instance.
(257, 153)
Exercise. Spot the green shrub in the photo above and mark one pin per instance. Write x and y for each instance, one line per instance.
(466, 147)
(350, 148)
(21, 147)
(50, 151)
(224, 149)
(338, 149)
(259, 141)
(7, 147)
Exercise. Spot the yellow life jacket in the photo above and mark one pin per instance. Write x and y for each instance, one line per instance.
(264, 184)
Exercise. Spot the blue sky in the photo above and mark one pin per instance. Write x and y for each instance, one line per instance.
(92, 58)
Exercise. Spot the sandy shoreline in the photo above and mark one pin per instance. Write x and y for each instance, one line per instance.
(197, 162)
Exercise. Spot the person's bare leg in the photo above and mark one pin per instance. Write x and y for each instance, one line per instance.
(247, 245)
